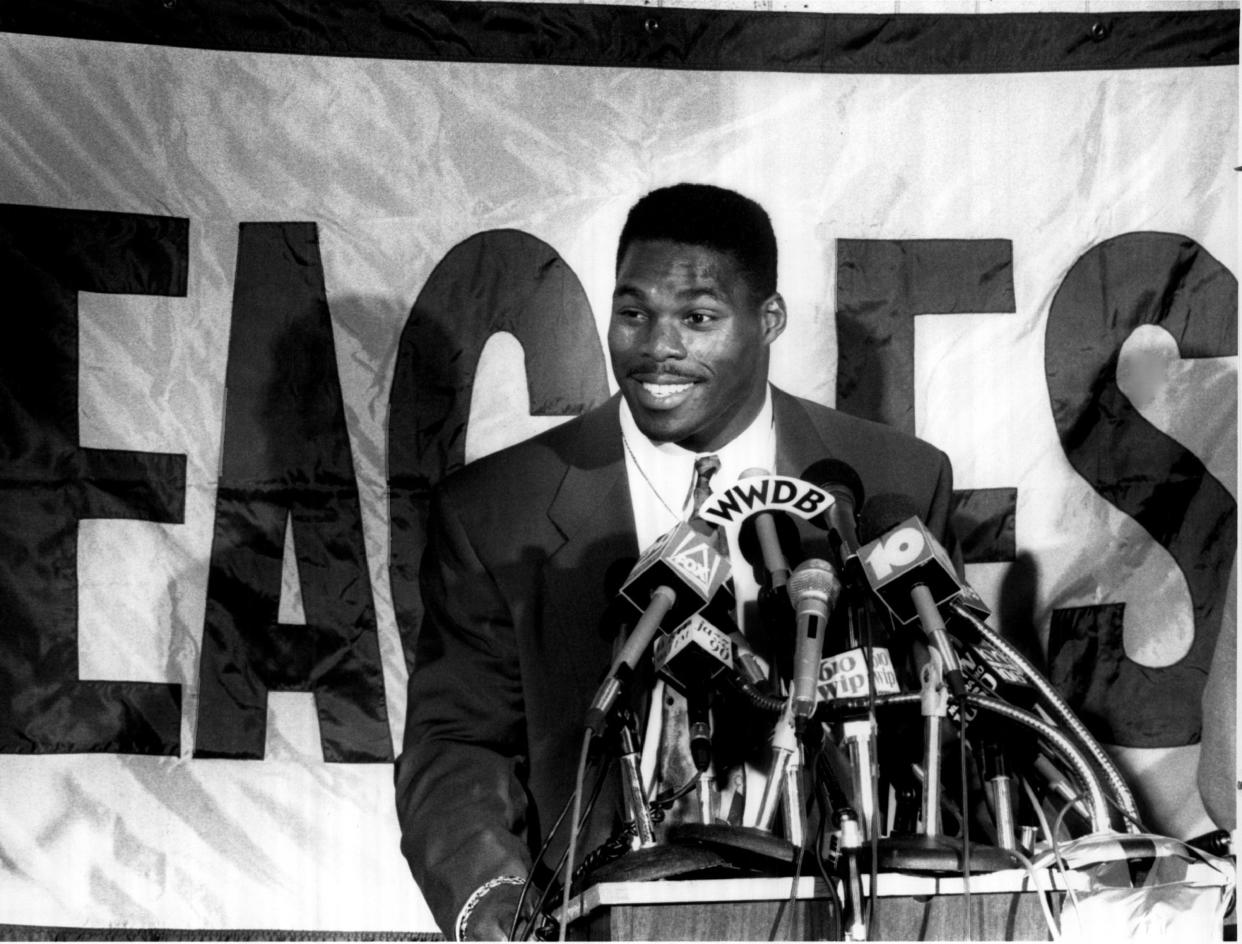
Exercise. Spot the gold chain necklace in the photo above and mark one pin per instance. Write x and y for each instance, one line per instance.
(650, 484)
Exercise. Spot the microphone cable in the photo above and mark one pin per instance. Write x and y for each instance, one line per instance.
(1054, 933)
(574, 828)
(517, 915)
(966, 813)
(543, 850)
(1057, 860)
(1056, 828)
(824, 802)
(791, 903)
(666, 798)
(551, 886)
(799, 852)
(874, 872)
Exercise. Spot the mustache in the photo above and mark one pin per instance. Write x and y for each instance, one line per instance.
(664, 371)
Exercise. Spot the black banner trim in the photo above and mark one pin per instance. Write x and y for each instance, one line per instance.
(646, 37)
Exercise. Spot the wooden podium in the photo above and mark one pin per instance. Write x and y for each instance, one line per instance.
(1003, 907)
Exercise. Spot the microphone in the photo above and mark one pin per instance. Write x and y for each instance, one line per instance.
(913, 576)
(814, 589)
(662, 600)
(707, 643)
(988, 671)
(690, 658)
(694, 654)
(839, 480)
(689, 563)
(763, 537)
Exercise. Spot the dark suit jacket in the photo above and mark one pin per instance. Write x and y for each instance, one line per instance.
(514, 640)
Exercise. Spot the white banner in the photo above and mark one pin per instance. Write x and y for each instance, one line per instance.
(396, 163)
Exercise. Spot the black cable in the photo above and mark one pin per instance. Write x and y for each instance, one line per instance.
(874, 825)
(768, 704)
(547, 889)
(530, 876)
(517, 915)
(792, 900)
(575, 825)
(667, 798)
(966, 814)
(830, 882)
(799, 852)
(822, 799)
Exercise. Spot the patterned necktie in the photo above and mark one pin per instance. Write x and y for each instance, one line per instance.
(676, 765)
(704, 468)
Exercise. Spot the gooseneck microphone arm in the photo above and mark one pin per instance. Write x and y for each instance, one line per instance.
(1065, 715)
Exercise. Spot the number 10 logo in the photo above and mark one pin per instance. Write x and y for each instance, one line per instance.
(894, 552)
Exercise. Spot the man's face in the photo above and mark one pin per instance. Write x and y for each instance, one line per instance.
(689, 343)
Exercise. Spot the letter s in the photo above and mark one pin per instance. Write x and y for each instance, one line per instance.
(1135, 279)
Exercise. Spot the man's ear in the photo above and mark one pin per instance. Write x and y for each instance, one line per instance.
(772, 312)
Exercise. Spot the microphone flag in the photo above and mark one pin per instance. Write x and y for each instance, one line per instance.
(694, 652)
(687, 561)
(844, 675)
(903, 558)
(755, 493)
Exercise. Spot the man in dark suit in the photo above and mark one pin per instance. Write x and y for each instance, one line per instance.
(514, 640)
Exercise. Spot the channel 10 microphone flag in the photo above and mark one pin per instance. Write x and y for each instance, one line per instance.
(272, 270)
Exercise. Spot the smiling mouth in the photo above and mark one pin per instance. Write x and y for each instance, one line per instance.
(662, 391)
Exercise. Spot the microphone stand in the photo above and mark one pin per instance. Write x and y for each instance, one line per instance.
(1000, 787)
(698, 715)
(931, 850)
(935, 706)
(791, 809)
(859, 733)
(859, 737)
(850, 839)
(784, 752)
(637, 814)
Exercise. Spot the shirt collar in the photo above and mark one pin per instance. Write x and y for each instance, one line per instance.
(668, 466)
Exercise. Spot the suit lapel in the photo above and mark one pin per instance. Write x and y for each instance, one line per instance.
(592, 513)
(593, 500)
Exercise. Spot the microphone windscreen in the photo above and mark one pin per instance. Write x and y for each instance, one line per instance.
(884, 512)
(832, 475)
(814, 583)
(786, 536)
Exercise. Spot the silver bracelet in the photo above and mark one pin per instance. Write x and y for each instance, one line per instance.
(476, 896)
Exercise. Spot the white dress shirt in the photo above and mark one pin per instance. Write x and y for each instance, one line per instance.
(661, 481)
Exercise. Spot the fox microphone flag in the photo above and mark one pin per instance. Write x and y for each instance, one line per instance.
(687, 561)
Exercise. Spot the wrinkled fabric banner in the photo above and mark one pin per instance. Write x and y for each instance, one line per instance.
(257, 304)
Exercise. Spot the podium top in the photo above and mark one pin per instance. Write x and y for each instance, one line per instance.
(888, 884)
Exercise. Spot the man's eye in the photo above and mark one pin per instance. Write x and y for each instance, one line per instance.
(701, 317)
(628, 314)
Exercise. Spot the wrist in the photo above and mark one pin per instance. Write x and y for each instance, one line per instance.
(475, 905)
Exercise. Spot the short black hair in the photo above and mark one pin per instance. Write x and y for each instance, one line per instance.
(704, 215)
